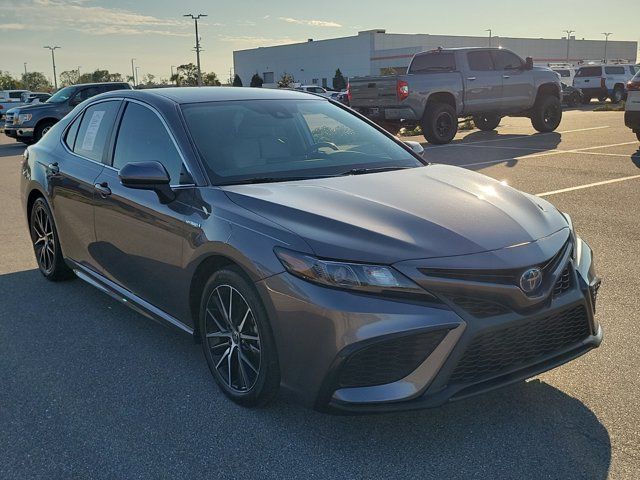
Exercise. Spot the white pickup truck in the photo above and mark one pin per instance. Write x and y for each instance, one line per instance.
(632, 107)
(10, 99)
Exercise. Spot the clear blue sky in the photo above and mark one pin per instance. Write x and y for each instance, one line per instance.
(107, 34)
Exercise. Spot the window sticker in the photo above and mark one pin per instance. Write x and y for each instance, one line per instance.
(92, 130)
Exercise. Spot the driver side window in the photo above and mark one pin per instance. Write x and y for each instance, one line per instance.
(507, 60)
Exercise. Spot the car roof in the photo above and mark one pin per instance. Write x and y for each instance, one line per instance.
(183, 95)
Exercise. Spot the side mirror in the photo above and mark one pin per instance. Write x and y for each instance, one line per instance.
(528, 65)
(147, 176)
(416, 147)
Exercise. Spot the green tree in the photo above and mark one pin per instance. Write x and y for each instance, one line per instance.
(210, 79)
(100, 76)
(237, 81)
(7, 82)
(256, 81)
(388, 71)
(286, 81)
(339, 82)
(186, 75)
(36, 81)
(69, 77)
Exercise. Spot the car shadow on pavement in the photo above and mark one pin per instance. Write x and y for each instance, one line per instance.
(91, 389)
(9, 150)
(635, 158)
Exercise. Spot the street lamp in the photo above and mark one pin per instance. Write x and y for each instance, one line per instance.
(568, 32)
(171, 77)
(133, 72)
(25, 76)
(53, 60)
(195, 19)
(606, 40)
(490, 32)
(137, 82)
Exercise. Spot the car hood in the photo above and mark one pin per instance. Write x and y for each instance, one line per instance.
(426, 212)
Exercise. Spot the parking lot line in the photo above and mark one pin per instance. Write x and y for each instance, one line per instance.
(589, 185)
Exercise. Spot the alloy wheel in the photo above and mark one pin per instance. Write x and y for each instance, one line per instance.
(444, 124)
(551, 114)
(233, 338)
(44, 242)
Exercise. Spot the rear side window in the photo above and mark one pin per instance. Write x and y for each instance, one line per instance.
(433, 62)
(72, 133)
(93, 133)
(614, 70)
(505, 60)
(589, 72)
(480, 61)
(563, 73)
(86, 93)
(632, 69)
(17, 95)
(142, 137)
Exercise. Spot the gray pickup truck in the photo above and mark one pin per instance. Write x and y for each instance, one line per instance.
(28, 123)
(443, 85)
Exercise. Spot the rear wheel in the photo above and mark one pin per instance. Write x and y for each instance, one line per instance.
(618, 94)
(487, 122)
(237, 339)
(440, 123)
(46, 245)
(41, 129)
(547, 114)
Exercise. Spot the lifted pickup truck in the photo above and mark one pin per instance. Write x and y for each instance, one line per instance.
(444, 85)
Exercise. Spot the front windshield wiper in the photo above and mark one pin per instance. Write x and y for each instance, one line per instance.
(250, 181)
(362, 171)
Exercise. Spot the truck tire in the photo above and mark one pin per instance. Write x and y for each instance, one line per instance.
(440, 123)
(391, 127)
(618, 94)
(41, 129)
(547, 114)
(487, 122)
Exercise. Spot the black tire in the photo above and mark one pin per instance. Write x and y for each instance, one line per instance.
(638, 135)
(41, 129)
(391, 127)
(249, 388)
(547, 114)
(487, 122)
(440, 123)
(46, 246)
(618, 94)
(602, 98)
(586, 100)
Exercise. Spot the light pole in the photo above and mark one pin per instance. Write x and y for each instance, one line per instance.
(133, 72)
(490, 34)
(171, 77)
(606, 40)
(25, 76)
(78, 72)
(137, 82)
(568, 32)
(53, 60)
(195, 19)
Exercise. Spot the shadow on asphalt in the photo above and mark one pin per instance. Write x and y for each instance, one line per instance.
(9, 150)
(93, 389)
(635, 158)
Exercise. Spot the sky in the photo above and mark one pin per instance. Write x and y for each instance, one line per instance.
(108, 34)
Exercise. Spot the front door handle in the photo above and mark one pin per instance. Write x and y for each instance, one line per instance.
(103, 189)
(471, 79)
(506, 76)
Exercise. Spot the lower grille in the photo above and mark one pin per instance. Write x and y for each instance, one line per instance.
(521, 345)
(390, 360)
(480, 308)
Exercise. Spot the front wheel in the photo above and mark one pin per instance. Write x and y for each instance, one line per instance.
(237, 339)
(42, 129)
(46, 245)
(547, 114)
(440, 123)
(487, 122)
(618, 95)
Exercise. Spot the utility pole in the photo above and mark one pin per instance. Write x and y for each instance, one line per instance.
(78, 72)
(568, 32)
(171, 77)
(25, 75)
(53, 60)
(490, 35)
(133, 72)
(606, 40)
(137, 82)
(195, 19)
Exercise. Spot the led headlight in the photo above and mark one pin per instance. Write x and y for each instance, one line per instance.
(23, 117)
(352, 276)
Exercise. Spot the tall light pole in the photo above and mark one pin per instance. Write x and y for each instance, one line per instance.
(490, 34)
(53, 60)
(195, 19)
(137, 82)
(606, 40)
(133, 72)
(25, 75)
(568, 32)
(171, 78)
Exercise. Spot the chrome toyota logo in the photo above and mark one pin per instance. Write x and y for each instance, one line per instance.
(531, 280)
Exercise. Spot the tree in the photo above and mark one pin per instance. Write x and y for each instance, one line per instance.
(100, 76)
(36, 81)
(286, 81)
(256, 81)
(237, 81)
(388, 71)
(149, 79)
(210, 79)
(7, 82)
(186, 75)
(69, 77)
(339, 82)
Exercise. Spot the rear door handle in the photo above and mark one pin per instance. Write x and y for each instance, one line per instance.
(471, 79)
(506, 76)
(53, 169)
(103, 189)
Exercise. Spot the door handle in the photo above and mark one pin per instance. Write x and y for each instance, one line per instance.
(471, 79)
(53, 168)
(103, 189)
(506, 76)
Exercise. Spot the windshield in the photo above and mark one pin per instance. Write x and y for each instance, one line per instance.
(62, 95)
(276, 140)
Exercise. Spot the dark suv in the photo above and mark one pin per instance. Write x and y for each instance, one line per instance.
(29, 123)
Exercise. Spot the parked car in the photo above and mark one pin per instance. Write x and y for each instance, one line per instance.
(603, 81)
(36, 97)
(445, 84)
(29, 123)
(565, 71)
(571, 96)
(10, 99)
(343, 97)
(632, 107)
(317, 90)
(306, 248)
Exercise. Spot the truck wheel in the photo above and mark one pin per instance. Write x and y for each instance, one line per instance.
(440, 123)
(618, 94)
(41, 129)
(547, 114)
(391, 127)
(487, 122)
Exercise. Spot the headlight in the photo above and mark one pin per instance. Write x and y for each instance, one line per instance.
(23, 117)
(352, 276)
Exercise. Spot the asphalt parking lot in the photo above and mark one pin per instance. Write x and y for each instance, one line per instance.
(90, 389)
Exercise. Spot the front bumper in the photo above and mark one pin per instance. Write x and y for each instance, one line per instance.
(18, 132)
(632, 120)
(319, 330)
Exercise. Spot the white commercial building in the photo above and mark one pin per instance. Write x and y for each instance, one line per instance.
(369, 52)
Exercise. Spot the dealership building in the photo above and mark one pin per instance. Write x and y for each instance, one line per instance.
(372, 51)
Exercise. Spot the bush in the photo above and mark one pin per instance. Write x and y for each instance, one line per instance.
(237, 81)
(256, 81)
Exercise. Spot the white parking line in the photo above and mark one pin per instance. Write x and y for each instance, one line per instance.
(589, 185)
